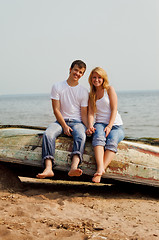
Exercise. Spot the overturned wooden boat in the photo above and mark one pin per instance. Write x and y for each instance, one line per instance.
(134, 162)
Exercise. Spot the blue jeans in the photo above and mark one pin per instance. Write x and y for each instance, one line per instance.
(54, 130)
(111, 141)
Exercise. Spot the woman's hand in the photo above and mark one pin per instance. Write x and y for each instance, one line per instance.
(107, 130)
(90, 130)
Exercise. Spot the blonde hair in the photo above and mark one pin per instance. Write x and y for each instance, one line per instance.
(105, 85)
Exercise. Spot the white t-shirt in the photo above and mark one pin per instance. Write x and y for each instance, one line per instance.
(71, 99)
(103, 111)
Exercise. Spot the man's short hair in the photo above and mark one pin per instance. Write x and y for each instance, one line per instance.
(79, 63)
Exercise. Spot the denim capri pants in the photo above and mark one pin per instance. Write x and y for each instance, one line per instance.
(111, 141)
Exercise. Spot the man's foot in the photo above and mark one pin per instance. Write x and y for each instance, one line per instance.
(75, 172)
(45, 173)
(97, 177)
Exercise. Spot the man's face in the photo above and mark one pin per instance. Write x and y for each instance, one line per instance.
(76, 73)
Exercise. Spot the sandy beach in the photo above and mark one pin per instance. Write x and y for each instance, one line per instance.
(32, 209)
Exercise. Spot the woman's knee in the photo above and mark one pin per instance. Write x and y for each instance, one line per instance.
(111, 145)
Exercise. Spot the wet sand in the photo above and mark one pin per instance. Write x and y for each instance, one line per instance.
(47, 209)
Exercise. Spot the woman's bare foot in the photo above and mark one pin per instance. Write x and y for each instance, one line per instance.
(45, 173)
(97, 177)
(75, 172)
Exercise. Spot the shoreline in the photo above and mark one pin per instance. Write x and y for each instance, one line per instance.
(137, 109)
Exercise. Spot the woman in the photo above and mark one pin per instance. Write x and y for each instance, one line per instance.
(107, 130)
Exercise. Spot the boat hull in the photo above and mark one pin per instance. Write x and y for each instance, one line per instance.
(134, 162)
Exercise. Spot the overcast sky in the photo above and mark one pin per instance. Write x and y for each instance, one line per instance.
(40, 38)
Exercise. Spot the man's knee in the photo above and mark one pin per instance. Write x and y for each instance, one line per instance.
(81, 136)
(53, 131)
(79, 133)
(48, 135)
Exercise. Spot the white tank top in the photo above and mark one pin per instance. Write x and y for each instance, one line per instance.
(103, 111)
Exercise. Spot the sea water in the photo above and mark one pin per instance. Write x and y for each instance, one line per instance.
(139, 111)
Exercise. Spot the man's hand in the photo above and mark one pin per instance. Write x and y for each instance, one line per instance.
(67, 130)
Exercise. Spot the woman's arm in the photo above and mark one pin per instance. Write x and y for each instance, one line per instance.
(90, 129)
(113, 106)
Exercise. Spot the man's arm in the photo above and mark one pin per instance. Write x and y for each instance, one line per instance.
(59, 117)
(84, 115)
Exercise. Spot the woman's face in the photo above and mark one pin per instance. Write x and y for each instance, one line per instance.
(97, 80)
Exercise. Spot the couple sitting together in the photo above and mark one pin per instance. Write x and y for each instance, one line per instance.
(75, 110)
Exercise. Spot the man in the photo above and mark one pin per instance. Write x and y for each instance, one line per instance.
(69, 102)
